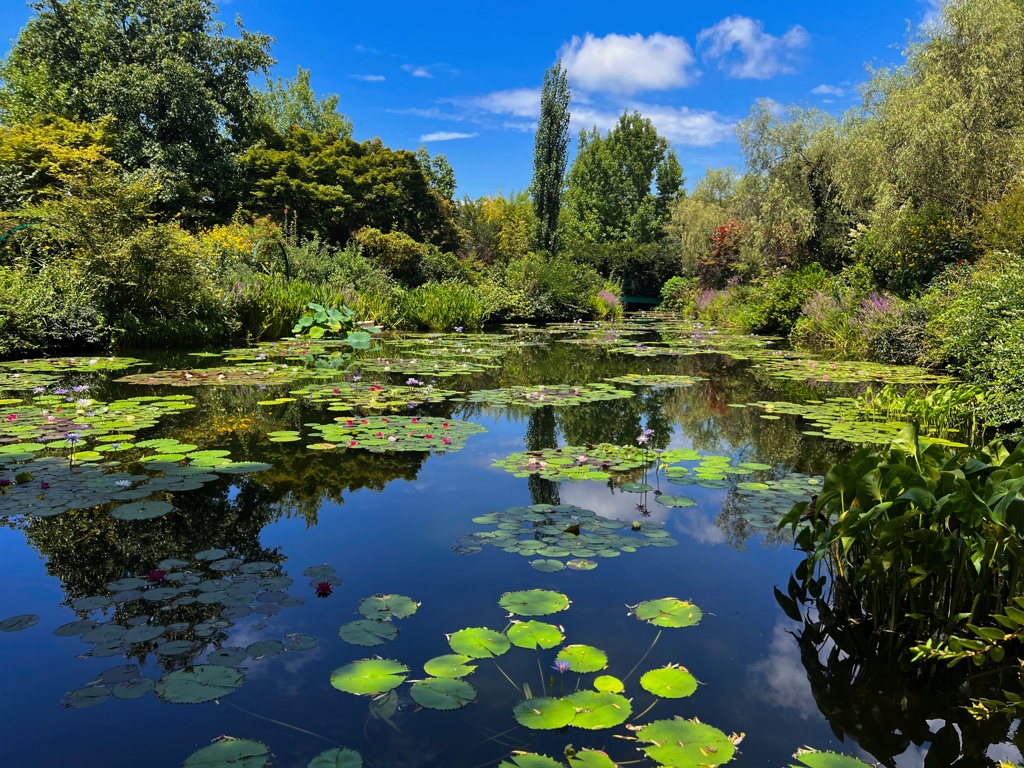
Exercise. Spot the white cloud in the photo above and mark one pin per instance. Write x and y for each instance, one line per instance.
(827, 90)
(627, 64)
(781, 678)
(745, 50)
(446, 136)
(368, 78)
(519, 102)
(932, 14)
(416, 71)
(680, 125)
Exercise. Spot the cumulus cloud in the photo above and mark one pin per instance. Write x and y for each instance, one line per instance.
(628, 63)
(446, 136)
(368, 78)
(827, 90)
(518, 102)
(781, 678)
(680, 125)
(416, 71)
(744, 50)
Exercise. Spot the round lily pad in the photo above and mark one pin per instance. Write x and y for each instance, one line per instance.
(668, 612)
(583, 658)
(635, 487)
(530, 760)
(134, 689)
(449, 665)
(195, 685)
(599, 709)
(142, 510)
(544, 714)
(815, 759)
(442, 693)
(548, 566)
(479, 642)
(608, 683)
(367, 633)
(369, 676)
(685, 743)
(533, 602)
(384, 607)
(671, 682)
(591, 758)
(89, 696)
(669, 500)
(265, 648)
(534, 634)
(230, 753)
(337, 758)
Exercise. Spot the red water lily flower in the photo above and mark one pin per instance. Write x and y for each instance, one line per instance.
(324, 589)
(352, 443)
(428, 436)
(157, 574)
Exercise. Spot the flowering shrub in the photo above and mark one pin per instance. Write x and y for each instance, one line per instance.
(714, 268)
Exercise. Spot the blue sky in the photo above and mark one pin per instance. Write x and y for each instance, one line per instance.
(463, 78)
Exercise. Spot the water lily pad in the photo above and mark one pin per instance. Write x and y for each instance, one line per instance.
(369, 676)
(533, 602)
(230, 753)
(442, 693)
(449, 665)
(635, 487)
(812, 758)
(227, 657)
(134, 689)
(174, 648)
(544, 714)
(668, 500)
(530, 761)
(534, 634)
(671, 682)
(265, 648)
(384, 607)
(366, 632)
(142, 510)
(609, 684)
(319, 571)
(337, 758)
(18, 623)
(668, 612)
(583, 658)
(591, 758)
(685, 743)
(548, 566)
(195, 685)
(479, 642)
(582, 564)
(88, 696)
(599, 709)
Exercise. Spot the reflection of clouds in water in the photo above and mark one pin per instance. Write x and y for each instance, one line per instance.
(1007, 751)
(292, 683)
(781, 679)
(690, 521)
(614, 505)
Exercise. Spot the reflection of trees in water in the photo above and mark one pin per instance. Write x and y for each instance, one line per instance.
(867, 695)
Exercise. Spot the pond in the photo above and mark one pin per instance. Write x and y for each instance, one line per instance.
(396, 560)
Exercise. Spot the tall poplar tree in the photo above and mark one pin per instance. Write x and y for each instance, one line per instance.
(550, 156)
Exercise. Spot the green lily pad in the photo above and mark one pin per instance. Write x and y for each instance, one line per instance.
(449, 665)
(812, 758)
(479, 642)
(384, 607)
(591, 758)
(337, 758)
(134, 689)
(668, 612)
(89, 696)
(544, 714)
(369, 676)
(368, 633)
(635, 487)
(230, 753)
(599, 709)
(582, 564)
(609, 684)
(142, 510)
(685, 743)
(195, 685)
(534, 602)
(442, 693)
(530, 760)
(583, 658)
(265, 648)
(534, 634)
(671, 682)
(19, 623)
(548, 566)
(668, 500)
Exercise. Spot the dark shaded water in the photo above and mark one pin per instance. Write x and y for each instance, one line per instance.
(388, 524)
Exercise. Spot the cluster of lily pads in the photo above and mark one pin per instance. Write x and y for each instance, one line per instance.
(592, 462)
(180, 611)
(602, 706)
(376, 626)
(245, 374)
(837, 418)
(656, 380)
(379, 434)
(44, 486)
(846, 372)
(373, 396)
(539, 396)
(552, 533)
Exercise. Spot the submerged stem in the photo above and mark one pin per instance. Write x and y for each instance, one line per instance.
(641, 661)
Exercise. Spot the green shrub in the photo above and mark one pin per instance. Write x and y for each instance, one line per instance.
(555, 287)
(442, 307)
(677, 294)
(48, 312)
(774, 306)
(266, 306)
(641, 268)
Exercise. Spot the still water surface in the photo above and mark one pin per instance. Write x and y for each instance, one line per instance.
(395, 523)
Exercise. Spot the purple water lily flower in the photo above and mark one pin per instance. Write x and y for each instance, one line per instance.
(561, 666)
